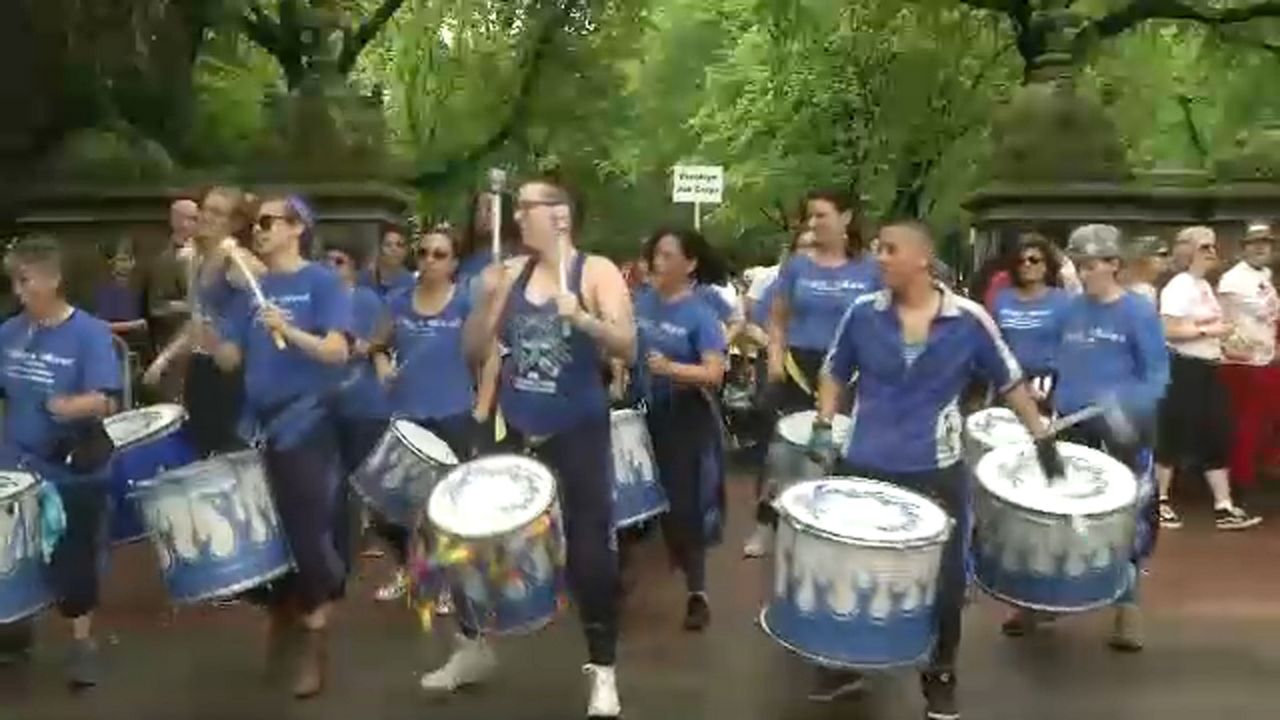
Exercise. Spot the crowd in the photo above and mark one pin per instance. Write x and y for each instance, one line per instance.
(305, 347)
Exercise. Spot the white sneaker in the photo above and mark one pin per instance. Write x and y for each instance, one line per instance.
(758, 544)
(471, 663)
(604, 702)
(395, 588)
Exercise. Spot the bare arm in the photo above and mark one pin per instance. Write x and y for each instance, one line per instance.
(487, 387)
(779, 316)
(610, 322)
(1181, 328)
(95, 404)
(330, 348)
(228, 356)
(1019, 399)
(707, 373)
(830, 392)
(481, 329)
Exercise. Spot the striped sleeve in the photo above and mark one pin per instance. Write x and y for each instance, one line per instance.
(994, 361)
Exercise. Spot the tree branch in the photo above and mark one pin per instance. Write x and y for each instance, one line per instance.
(516, 111)
(260, 28)
(1140, 11)
(355, 42)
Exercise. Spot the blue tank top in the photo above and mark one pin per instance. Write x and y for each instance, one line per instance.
(551, 378)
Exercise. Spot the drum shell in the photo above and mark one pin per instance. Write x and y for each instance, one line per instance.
(637, 494)
(215, 527)
(140, 461)
(396, 480)
(23, 591)
(840, 603)
(1045, 562)
(530, 593)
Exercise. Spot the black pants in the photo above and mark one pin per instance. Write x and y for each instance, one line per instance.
(78, 558)
(582, 459)
(949, 487)
(681, 428)
(1194, 416)
(779, 400)
(214, 401)
(356, 439)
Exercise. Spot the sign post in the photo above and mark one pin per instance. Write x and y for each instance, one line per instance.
(697, 184)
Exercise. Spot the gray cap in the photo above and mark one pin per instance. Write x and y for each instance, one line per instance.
(1094, 241)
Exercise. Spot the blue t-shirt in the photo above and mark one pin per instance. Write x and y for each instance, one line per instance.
(1111, 351)
(906, 415)
(114, 302)
(682, 330)
(362, 396)
(387, 284)
(723, 311)
(818, 296)
(473, 265)
(74, 357)
(317, 303)
(1031, 327)
(433, 379)
(762, 307)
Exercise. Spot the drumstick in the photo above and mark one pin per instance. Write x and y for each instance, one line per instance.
(497, 179)
(256, 289)
(1074, 418)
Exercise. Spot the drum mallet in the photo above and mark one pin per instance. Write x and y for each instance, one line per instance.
(256, 289)
(497, 181)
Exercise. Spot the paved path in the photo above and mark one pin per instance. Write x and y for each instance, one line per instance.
(1213, 652)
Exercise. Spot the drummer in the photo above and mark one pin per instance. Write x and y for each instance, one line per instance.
(1029, 312)
(1111, 354)
(288, 393)
(684, 347)
(813, 291)
(362, 402)
(552, 393)
(61, 375)
(421, 365)
(213, 398)
(916, 345)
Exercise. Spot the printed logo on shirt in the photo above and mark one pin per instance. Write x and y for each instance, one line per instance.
(669, 329)
(1014, 319)
(32, 367)
(829, 288)
(1093, 335)
(541, 352)
(428, 327)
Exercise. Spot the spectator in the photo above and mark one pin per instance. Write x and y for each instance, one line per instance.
(389, 270)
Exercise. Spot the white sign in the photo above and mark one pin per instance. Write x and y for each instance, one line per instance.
(697, 184)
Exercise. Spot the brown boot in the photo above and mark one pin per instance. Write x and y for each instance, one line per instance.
(283, 633)
(312, 663)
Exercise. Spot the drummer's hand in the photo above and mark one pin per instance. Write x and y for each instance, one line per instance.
(154, 373)
(822, 446)
(360, 348)
(569, 308)
(777, 371)
(618, 386)
(1050, 460)
(273, 318)
(658, 363)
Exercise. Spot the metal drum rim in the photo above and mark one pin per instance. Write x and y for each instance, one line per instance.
(552, 505)
(149, 486)
(163, 431)
(1059, 517)
(839, 438)
(30, 489)
(986, 460)
(929, 541)
(237, 588)
(833, 664)
(417, 452)
(646, 515)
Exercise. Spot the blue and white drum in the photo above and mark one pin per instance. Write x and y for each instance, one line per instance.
(503, 510)
(991, 428)
(215, 527)
(148, 442)
(788, 461)
(637, 495)
(22, 589)
(397, 477)
(1062, 546)
(856, 573)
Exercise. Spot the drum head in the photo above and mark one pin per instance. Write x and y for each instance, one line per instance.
(134, 426)
(491, 496)
(1095, 482)
(424, 442)
(797, 427)
(14, 483)
(868, 512)
(625, 415)
(996, 426)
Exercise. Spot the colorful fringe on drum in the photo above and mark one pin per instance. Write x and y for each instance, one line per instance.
(433, 554)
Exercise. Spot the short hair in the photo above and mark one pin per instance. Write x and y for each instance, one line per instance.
(1195, 234)
(556, 179)
(386, 227)
(915, 224)
(42, 251)
(350, 246)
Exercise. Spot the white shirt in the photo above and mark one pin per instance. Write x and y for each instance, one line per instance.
(1252, 306)
(1187, 297)
(1068, 276)
(1146, 290)
(760, 278)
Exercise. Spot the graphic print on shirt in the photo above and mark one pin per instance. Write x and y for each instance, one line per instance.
(947, 436)
(541, 352)
(39, 368)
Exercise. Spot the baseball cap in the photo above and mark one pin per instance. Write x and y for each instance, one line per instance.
(1094, 241)
(1258, 232)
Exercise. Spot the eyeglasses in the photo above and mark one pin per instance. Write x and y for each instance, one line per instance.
(266, 222)
(434, 254)
(338, 260)
(534, 203)
(1031, 260)
(1207, 248)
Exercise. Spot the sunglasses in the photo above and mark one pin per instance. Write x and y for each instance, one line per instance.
(338, 260)
(1031, 260)
(434, 254)
(266, 222)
